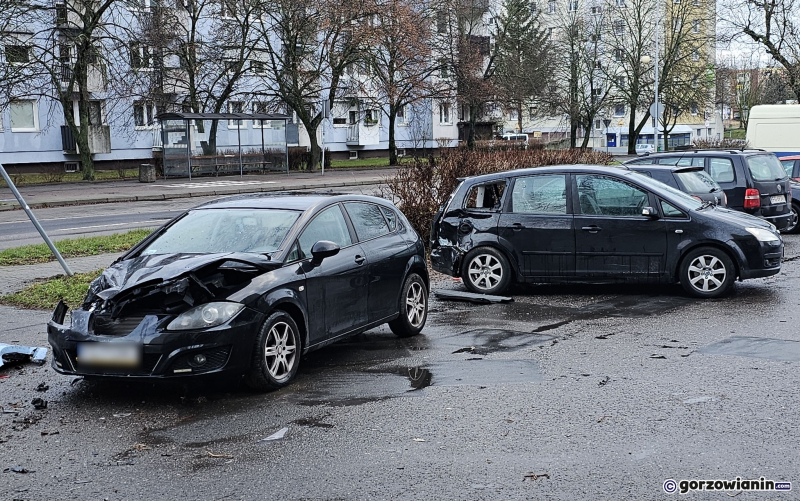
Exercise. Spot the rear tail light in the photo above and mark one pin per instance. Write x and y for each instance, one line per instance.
(796, 179)
(752, 199)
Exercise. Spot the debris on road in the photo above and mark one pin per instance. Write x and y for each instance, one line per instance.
(418, 439)
(49, 432)
(278, 435)
(471, 297)
(471, 349)
(657, 356)
(223, 456)
(14, 354)
(601, 418)
(534, 476)
(141, 447)
(42, 387)
(122, 414)
(604, 381)
(18, 469)
(39, 403)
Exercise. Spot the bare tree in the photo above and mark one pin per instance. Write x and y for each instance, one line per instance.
(773, 25)
(308, 46)
(62, 52)
(402, 62)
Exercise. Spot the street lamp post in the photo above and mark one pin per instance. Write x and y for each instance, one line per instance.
(656, 109)
(606, 122)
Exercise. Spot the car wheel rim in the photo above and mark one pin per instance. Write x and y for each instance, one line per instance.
(485, 271)
(415, 304)
(793, 217)
(280, 350)
(707, 273)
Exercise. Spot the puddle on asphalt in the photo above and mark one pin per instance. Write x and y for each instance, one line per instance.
(780, 350)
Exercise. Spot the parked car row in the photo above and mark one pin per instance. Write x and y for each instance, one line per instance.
(246, 285)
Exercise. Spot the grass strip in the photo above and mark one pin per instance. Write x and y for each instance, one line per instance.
(69, 177)
(77, 247)
(44, 295)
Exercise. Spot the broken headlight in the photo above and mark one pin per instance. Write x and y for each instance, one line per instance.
(204, 316)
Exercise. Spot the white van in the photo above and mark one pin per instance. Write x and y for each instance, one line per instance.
(775, 128)
(523, 138)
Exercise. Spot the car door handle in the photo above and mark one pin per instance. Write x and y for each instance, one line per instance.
(360, 259)
(592, 229)
(517, 226)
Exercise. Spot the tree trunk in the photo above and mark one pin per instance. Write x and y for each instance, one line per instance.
(392, 145)
(632, 135)
(519, 117)
(473, 113)
(210, 146)
(315, 155)
(573, 133)
(81, 131)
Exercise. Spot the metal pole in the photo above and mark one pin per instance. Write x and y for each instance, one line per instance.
(658, 28)
(239, 140)
(188, 148)
(263, 153)
(286, 142)
(35, 221)
(323, 146)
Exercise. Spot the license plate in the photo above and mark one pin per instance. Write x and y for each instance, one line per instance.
(109, 354)
(778, 199)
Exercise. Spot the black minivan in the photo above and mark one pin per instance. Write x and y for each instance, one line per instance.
(753, 180)
(584, 223)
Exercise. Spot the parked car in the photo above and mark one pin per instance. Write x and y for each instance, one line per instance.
(582, 223)
(244, 286)
(753, 180)
(521, 138)
(791, 165)
(643, 149)
(691, 180)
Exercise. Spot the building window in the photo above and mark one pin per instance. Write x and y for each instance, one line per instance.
(444, 69)
(551, 6)
(143, 113)
(441, 22)
(696, 26)
(677, 25)
(141, 56)
(619, 55)
(24, 116)
(532, 112)
(573, 5)
(257, 67)
(261, 108)
(444, 113)
(401, 118)
(598, 124)
(620, 81)
(695, 56)
(619, 110)
(235, 107)
(694, 109)
(597, 94)
(597, 9)
(619, 27)
(370, 117)
(227, 9)
(95, 113)
(620, 3)
(18, 54)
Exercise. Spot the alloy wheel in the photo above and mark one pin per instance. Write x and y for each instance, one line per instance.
(793, 220)
(280, 350)
(415, 304)
(485, 271)
(707, 273)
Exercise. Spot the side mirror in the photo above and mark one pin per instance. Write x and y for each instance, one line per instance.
(649, 212)
(323, 249)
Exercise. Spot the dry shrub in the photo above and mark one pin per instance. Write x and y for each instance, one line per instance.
(421, 187)
(720, 144)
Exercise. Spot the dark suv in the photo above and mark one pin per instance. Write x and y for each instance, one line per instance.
(753, 180)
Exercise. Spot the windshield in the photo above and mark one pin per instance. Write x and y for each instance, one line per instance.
(225, 230)
(765, 168)
(697, 182)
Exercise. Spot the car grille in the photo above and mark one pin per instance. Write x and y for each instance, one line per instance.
(106, 326)
(215, 359)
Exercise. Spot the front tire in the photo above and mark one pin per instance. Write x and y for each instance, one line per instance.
(707, 272)
(486, 271)
(276, 354)
(413, 307)
(793, 227)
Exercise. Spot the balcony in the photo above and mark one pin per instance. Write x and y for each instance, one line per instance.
(361, 134)
(99, 139)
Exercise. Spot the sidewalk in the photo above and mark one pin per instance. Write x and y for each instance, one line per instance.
(80, 193)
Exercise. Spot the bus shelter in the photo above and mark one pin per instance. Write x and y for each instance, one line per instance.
(223, 143)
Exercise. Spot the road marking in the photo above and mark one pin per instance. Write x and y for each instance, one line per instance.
(214, 184)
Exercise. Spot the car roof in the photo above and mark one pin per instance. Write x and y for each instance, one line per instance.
(792, 157)
(583, 168)
(285, 201)
(712, 151)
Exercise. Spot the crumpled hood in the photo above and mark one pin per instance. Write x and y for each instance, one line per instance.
(152, 270)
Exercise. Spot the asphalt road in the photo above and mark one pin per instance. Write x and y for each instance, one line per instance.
(104, 219)
(599, 392)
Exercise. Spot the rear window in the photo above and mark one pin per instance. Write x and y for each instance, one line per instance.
(696, 182)
(765, 168)
(788, 166)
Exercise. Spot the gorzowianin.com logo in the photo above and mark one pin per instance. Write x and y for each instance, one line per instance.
(684, 486)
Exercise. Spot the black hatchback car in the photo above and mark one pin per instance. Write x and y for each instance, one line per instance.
(246, 285)
(691, 180)
(582, 223)
(753, 180)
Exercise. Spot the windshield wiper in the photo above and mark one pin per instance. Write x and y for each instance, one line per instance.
(706, 204)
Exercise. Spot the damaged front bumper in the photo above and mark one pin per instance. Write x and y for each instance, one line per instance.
(159, 353)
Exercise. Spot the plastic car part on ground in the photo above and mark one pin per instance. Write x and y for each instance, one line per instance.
(470, 297)
(12, 353)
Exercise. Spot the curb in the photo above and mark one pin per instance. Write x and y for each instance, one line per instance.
(169, 196)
